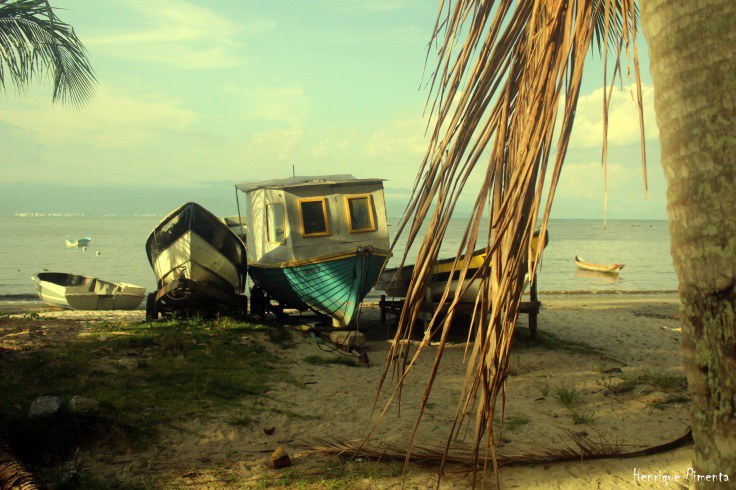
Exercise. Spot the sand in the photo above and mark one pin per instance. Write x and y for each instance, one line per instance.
(601, 342)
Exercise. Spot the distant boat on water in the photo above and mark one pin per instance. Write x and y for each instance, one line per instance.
(603, 268)
(76, 292)
(81, 242)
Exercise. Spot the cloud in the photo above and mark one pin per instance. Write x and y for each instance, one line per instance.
(181, 34)
(398, 141)
(113, 119)
(623, 118)
(276, 146)
(367, 6)
(585, 179)
(287, 104)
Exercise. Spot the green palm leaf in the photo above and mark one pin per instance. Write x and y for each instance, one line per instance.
(35, 42)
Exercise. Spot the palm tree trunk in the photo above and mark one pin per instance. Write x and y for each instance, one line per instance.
(692, 47)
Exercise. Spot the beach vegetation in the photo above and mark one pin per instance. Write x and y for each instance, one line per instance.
(144, 376)
(581, 416)
(568, 397)
(344, 475)
(513, 423)
(663, 381)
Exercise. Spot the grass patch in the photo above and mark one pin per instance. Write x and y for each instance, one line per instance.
(544, 390)
(326, 361)
(581, 417)
(513, 423)
(618, 388)
(142, 374)
(568, 397)
(663, 381)
(294, 415)
(340, 476)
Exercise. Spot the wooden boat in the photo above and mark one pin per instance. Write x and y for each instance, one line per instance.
(315, 243)
(86, 293)
(396, 283)
(81, 242)
(606, 269)
(199, 263)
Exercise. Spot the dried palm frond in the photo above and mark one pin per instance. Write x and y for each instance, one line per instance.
(578, 447)
(13, 474)
(504, 93)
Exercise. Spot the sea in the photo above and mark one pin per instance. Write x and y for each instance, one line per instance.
(31, 244)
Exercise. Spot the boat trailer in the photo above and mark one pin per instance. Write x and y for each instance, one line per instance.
(189, 297)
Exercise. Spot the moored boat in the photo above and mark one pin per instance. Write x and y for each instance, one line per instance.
(315, 243)
(81, 242)
(603, 268)
(199, 263)
(77, 292)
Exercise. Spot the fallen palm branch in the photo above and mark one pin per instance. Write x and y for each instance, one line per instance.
(579, 447)
(13, 474)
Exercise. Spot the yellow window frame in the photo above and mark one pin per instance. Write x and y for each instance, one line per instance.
(371, 212)
(323, 200)
(268, 221)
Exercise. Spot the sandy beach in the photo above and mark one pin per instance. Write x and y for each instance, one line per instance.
(607, 367)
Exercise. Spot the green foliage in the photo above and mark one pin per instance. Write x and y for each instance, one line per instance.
(568, 397)
(581, 417)
(143, 375)
(35, 41)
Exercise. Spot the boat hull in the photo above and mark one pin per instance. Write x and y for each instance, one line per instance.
(191, 243)
(74, 292)
(334, 287)
(612, 269)
(82, 242)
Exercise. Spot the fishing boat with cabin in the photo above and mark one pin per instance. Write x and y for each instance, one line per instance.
(314, 243)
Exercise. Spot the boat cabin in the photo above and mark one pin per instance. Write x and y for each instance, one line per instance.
(301, 218)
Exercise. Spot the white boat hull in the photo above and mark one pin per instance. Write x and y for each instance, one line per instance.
(94, 294)
(191, 257)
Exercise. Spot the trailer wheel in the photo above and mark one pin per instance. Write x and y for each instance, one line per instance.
(151, 308)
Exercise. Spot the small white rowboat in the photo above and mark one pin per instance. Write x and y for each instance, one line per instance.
(75, 292)
(606, 269)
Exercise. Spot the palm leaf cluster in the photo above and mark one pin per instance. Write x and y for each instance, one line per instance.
(33, 42)
(502, 105)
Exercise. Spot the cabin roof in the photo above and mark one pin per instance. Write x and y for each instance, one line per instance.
(299, 181)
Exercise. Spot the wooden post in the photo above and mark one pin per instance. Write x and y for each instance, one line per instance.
(382, 306)
(534, 310)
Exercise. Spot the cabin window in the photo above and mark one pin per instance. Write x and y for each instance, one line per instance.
(276, 223)
(313, 215)
(360, 213)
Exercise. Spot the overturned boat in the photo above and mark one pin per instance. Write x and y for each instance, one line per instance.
(315, 243)
(612, 269)
(76, 292)
(199, 263)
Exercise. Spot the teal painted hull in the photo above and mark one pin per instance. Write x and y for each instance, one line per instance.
(334, 288)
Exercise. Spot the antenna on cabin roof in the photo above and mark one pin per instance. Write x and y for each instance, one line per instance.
(293, 170)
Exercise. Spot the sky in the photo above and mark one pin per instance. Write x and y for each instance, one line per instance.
(193, 97)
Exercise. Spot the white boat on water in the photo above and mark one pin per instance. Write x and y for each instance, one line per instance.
(81, 242)
(87, 293)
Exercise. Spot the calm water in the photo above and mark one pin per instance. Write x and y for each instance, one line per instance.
(29, 245)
